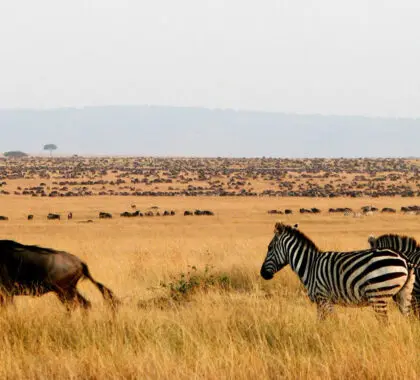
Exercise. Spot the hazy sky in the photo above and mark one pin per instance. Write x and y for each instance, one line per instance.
(324, 56)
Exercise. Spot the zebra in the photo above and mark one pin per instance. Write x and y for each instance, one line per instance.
(359, 278)
(410, 249)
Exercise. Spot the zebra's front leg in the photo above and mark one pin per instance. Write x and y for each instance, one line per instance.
(324, 309)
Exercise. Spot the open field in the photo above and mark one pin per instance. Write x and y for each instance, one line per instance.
(234, 325)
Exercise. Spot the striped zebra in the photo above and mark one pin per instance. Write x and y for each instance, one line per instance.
(409, 247)
(360, 278)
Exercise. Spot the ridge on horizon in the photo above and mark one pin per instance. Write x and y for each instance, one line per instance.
(203, 108)
(155, 130)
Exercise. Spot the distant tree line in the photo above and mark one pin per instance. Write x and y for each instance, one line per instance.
(15, 154)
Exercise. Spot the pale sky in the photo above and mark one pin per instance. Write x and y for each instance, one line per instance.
(358, 57)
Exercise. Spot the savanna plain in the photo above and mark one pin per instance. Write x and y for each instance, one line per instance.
(192, 302)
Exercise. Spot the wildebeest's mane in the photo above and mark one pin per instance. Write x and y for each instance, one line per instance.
(32, 248)
(404, 239)
(298, 234)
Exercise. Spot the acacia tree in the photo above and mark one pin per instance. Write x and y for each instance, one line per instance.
(50, 147)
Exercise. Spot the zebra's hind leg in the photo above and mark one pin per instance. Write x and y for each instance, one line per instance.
(415, 305)
(403, 297)
(324, 309)
(380, 306)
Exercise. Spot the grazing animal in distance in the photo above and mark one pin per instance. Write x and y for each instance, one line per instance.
(105, 215)
(70, 215)
(2, 217)
(53, 216)
(34, 270)
(360, 278)
(30, 217)
(389, 210)
(409, 247)
(188, 213)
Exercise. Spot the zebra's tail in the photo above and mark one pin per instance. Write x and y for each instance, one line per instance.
(403, 297)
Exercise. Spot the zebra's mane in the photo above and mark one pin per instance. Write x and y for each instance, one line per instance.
(403, 238)
(291, 230)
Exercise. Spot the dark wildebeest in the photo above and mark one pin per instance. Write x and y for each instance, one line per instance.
(105, 215)
(53, 216)
(188, 213)
(3, 217)
(70, 215)
(128, 214)
(30, 217)
(33, 270)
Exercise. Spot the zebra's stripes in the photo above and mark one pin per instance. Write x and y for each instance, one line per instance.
(409, 247)
(360, 278)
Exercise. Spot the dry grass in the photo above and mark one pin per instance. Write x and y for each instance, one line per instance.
(248, 328)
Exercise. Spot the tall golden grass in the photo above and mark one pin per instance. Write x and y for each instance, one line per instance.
(249, 329)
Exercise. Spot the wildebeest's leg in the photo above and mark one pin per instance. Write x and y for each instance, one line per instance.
(5, 299)
(67, 297)
(82, 301)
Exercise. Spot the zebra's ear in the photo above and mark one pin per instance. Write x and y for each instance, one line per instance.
(296, 226)
(278, 227)
(372, 241)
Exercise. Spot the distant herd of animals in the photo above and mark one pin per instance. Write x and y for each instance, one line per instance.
(365, 210)
(125, 214)
(219, 177)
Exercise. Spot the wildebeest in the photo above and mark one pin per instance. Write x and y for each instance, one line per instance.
(2, 217)
(30, 217)
(389, 210)
(128, 214)
(70, 215)
(288, 211)
(105, 215)
(34, 270)
(305, 211)
(53, 216)
(188, 213)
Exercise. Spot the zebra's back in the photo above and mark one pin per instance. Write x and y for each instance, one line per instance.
(354, 278)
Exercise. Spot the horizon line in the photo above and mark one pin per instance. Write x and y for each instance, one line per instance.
(213, 109)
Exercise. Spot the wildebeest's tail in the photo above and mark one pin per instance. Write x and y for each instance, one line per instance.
(107, 293)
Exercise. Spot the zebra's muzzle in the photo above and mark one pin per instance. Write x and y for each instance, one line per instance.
(266, 275)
